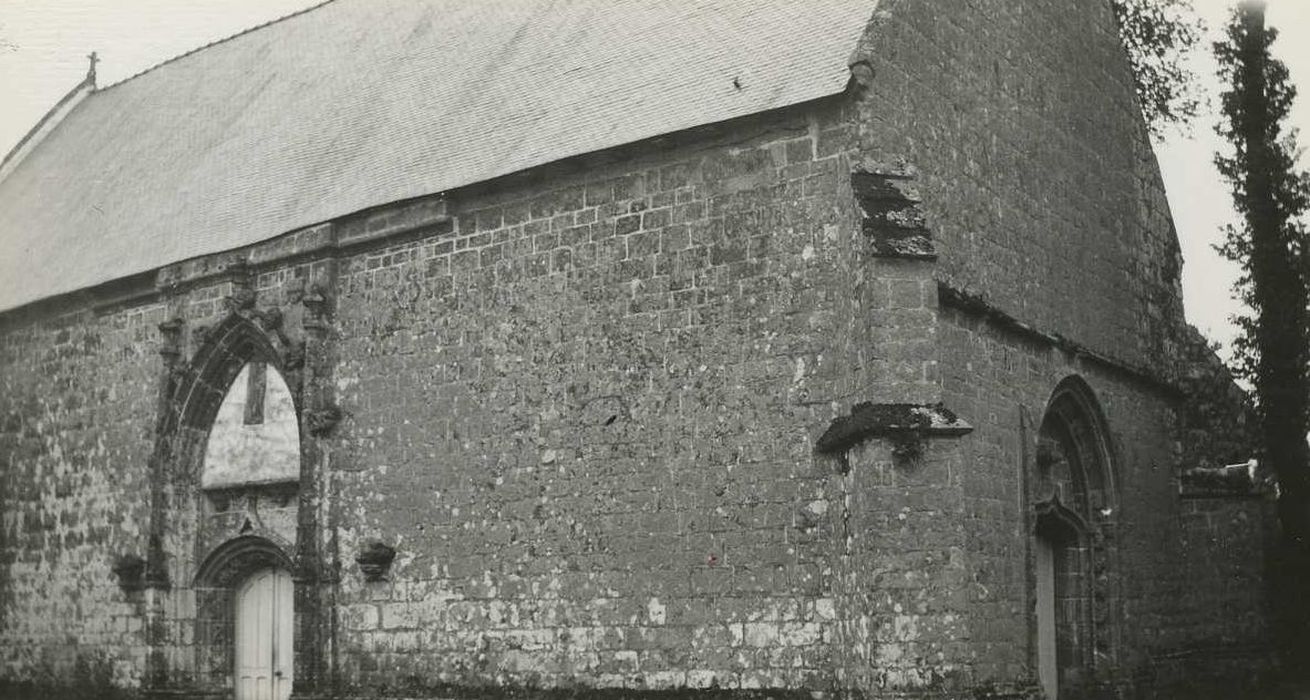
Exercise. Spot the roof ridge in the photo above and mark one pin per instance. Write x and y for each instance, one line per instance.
(216, 42)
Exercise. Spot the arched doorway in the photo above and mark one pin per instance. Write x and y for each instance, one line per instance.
(264, 636)
(245, 616)
(1061, 601)
(1075, 507)
(229, 467)
(231, 437)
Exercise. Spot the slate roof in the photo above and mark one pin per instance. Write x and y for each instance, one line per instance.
(358, 103)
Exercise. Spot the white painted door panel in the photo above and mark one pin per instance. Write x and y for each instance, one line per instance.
(264, 622)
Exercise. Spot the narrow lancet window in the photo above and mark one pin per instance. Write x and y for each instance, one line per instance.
(256, 380)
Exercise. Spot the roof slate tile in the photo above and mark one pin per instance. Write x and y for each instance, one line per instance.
(358, 103)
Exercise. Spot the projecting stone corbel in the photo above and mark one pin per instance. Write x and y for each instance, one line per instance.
(894, 221)
(906, 425)
(170, 339)
(315, 299)
(862, 73)
(322, 421)
(130, 571)
(374, 560)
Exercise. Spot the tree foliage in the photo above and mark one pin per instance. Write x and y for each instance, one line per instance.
(1272, 195)
(1158, 34)
(1278, 198)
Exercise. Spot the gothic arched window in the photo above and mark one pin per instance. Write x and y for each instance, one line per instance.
(255, 437)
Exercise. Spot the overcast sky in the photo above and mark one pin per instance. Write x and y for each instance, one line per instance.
(1200, 201)
(44, 44)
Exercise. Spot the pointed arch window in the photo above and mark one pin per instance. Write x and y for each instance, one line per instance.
(255, 436)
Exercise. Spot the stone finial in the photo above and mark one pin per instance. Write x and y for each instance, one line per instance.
(315, 298)
(316, 301)
(295, 290)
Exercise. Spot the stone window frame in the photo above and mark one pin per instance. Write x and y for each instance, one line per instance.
(227, 349)
(195, 393)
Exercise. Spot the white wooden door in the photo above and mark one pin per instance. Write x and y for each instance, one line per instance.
(264, 621)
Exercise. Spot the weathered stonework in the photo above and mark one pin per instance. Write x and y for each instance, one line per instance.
(710, 413)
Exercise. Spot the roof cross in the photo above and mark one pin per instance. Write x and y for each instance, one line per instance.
(91, 72)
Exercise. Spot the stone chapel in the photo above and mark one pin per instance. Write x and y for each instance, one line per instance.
(577, 348)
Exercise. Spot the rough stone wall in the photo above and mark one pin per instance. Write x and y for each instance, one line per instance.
(586, 416)
(1037, 174)
(1221, 598)
(1185, 580)
(585, 420)
(82, 404)
(905, 577)
(585, 423)
(77, 396)
(1003, 383)
(1045, 204)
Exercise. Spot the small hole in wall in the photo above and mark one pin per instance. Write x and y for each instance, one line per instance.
(611, 419)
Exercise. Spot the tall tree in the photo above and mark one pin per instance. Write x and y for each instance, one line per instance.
(1271, 195)
(1157, 35)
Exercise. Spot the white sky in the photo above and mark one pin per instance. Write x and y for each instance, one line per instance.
(44, 43)
(1200, 200)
